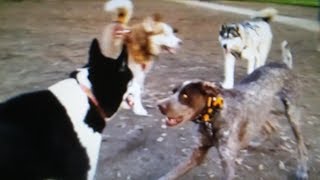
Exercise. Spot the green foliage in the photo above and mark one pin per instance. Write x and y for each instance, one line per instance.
(313, 3)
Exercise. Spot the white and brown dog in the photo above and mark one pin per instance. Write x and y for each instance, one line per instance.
(145, 41)
(249, 40)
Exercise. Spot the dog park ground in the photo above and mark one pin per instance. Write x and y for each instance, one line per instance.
(42, 41)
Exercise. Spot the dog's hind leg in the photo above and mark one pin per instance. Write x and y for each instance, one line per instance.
(293, 115)
(263, 53)
(250, 56)
(195, 159)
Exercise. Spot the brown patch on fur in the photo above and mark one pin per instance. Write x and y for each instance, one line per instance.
(139, 44)
(157, 17)
(269, 128)
(121, 16)
(242, 130)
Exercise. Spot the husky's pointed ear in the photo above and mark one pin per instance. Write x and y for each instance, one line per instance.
(148, 24)
(239, 29)
(157, 17)
(94, 52)
(222, 27)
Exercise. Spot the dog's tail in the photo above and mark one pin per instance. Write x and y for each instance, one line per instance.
(122, 10)
(286, 54)
(266, 14)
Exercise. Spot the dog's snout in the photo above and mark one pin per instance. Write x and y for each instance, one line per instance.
(224, 46)
(162, 107)
(180, 43)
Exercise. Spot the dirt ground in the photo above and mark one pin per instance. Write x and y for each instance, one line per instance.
(42, 41)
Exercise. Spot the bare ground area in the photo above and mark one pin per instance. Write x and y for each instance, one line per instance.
(42, 41)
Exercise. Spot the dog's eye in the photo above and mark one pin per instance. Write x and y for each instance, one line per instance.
(185, 96)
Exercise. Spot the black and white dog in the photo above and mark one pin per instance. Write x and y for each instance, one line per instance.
(56, 133)
(249, 40)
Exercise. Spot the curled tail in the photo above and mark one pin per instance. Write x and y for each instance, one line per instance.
(286, 54)
(122, 10)
(266, 14)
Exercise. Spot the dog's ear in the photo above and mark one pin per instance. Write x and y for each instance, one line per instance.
(157, 17)
(211, 88)
(148, 24)
(239, 29)
(222, 27)
(95, 53)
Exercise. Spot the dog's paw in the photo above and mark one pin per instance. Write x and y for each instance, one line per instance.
(124, 105)
(227, 85)
(301, 173)
(140, 111)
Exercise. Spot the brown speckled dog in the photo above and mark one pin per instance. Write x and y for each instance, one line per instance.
(230, 119)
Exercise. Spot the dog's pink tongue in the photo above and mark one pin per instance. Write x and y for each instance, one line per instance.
(171, 121)
(172, 50)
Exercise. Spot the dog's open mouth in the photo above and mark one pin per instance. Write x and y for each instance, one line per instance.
(173, 121)
(170, 50)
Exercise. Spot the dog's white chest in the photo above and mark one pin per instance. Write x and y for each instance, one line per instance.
(76, 104)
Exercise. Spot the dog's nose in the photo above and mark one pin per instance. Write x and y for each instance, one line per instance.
(224, 46)
(162, 108)
(180, 43)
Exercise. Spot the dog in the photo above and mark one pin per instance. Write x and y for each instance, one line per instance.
(230, 119)
(249, 40)
(145, 41)
(56, 133)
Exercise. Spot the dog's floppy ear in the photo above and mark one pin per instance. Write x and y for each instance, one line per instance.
(211, 88)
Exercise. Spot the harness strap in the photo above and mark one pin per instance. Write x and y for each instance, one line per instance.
(94, 101)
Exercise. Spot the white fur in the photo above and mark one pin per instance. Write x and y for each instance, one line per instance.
(229, 71)
(113, 5)
(111, 49)
(75, 101)
(286, 54)
(254, 46)
(168, 39)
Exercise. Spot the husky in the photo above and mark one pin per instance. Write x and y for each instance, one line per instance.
(250, 40)
(145, 40)
(56, 133)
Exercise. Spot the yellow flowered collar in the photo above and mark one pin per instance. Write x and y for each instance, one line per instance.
(214, 104)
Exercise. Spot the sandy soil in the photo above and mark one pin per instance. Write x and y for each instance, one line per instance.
(42, 41)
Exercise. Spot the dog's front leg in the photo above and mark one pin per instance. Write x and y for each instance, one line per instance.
(195, 159)
(229, 66)
(227, 154)
(136, 92)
